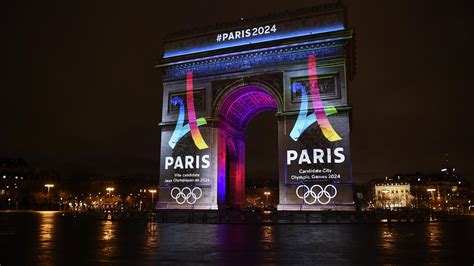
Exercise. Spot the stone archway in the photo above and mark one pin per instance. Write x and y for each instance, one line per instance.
(214, 83)
(235, 109)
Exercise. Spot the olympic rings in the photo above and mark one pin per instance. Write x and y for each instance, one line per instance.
(186, 194)
(316, 196)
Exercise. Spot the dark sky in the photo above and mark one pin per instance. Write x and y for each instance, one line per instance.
(80, 93)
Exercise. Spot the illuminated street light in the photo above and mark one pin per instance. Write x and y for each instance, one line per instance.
(431, 190)
(109, 189)
(152, 191)
(49, 186)
(266, 193)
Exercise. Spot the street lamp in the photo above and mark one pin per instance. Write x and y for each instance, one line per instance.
(266, 193)
(49, 186)
(152, 191)
(431, 190)
(109, 189)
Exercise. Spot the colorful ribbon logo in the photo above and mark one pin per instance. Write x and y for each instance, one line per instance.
(320, 111)
(193, 125)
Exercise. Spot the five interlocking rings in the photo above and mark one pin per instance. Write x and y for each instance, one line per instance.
(186, 194)
(318, 194)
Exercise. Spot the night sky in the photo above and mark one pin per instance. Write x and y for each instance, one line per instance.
(80, 93)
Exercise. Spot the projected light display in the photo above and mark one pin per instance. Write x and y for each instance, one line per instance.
(187, 166)
(304, 120)
(321, 195)
(321, 118)
(256, 34)
(315, 160)
(186, 194)
(195, 133)
(193, 124)
(215, 82)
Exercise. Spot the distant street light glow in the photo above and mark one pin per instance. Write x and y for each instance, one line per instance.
(266, 193)
(49, 186)
(109, 189)
(152, 191)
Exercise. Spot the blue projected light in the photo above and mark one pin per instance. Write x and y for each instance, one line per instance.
(304, 120)
(245, 41)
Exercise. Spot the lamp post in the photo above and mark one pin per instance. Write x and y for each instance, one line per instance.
(49, 186)
(109, 189)
(432, 190)
(266, 193)
(152, 191)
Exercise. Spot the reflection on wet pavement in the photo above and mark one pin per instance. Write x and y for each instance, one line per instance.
(56, 238)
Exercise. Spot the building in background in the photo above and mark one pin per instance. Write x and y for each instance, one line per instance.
(442, 191)
(389, 195)
(22, 186)
(25, 187)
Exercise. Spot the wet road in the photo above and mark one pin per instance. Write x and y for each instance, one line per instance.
(53, 238)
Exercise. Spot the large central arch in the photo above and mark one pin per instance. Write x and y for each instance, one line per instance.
(216, 80)
(235, 108)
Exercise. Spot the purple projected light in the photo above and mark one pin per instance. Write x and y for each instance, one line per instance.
(243, 104)
(238, 109)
